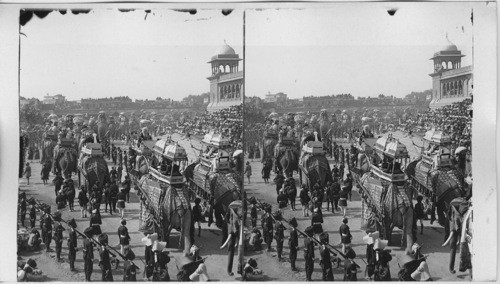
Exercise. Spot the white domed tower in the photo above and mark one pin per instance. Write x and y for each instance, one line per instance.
(226, 80)
(450, 81)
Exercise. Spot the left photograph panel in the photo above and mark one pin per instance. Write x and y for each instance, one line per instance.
(131, 155)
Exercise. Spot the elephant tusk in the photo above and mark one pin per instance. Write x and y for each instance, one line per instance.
(449, 239)
(227, 241)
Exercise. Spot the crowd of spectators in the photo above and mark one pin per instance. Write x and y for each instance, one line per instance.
(228, 122)
(455, 120)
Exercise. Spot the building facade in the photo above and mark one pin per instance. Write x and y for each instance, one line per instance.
(54, 100)
(450, 81)
(279, 98)
(226, 81)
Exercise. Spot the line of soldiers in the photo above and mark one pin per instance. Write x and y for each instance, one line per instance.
(52, 229)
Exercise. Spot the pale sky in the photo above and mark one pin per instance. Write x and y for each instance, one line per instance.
(352, 48)
(107, 53)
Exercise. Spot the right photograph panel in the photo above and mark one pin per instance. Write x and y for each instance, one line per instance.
(358, 123)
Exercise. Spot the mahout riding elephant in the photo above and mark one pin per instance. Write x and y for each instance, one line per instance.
(324, 130)
(460, 223)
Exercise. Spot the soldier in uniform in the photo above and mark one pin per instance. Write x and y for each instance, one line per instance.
(267, 225)
(253, 211)
(22, 207)
(58, 239)
(32, 215)
(293, 243)
(47, 229)
(129, 269)
(309, 252)
(119, 172)
(105, 261)
(317, 221)
(88, 254)
(72, 244)
(279, 234)
(326, 261)
(113, 174)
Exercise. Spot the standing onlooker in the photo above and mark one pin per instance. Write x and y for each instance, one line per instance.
(113, 196)
(32, 215)
(196, 213)
(266, 171)
(22, 207)
(248, 171)
(420, 213)
(124, 236)
(83, 200)
(343, 200)
(126, 187)
(345, 235)
(58, 182)
(27, 172)
(329, 196)
(304, 200)
(45, 172)
(348, 185)
(119, 172)
(279, 180)
(121, 202)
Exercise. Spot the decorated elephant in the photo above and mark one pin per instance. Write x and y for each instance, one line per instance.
(460, 223)
(316, 169)
(166, 207)
(286, 158)
(94, 169)
(444, 187)
(49, 142)
(270, 142)
(389, 205)
(224, 189)
(65, 160)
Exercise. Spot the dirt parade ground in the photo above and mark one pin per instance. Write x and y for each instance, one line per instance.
(211, 237)
(210, 240)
